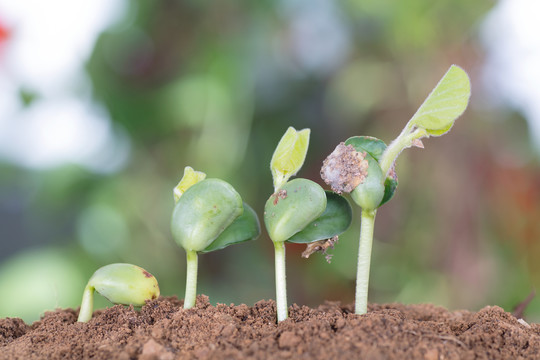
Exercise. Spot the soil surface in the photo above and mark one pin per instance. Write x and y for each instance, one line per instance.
(163, 330)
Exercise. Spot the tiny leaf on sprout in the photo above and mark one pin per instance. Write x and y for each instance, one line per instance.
(446, 102)
(335, 219)
(292, 208)
(190, 178)
(203, 212)
(246, 227)
(121, 284)
(289, 155)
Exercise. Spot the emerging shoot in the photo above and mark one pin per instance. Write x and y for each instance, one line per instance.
(209, 215)
(299, 210)
(121, 284)
(365, 167)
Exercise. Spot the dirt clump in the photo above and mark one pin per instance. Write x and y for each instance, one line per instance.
(163, 330)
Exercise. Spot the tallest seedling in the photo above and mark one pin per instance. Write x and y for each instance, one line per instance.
(365, 167)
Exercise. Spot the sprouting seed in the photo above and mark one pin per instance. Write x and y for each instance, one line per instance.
(125, 284)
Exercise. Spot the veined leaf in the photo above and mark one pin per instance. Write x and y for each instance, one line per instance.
(335, 219)
(246, 227)
(289, 155)
(446, 102)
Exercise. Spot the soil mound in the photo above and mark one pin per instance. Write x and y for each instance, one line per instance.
(163, 330)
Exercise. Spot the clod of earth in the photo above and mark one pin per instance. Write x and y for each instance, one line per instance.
(344, 169)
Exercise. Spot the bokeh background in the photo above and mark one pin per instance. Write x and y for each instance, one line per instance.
(104, 102)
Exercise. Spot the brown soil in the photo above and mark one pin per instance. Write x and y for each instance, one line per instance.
(163, 330)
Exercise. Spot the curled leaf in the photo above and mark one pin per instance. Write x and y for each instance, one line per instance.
(190, 178)
(289, 155)
(369, 194)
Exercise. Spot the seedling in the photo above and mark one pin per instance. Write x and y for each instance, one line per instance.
(121, 284)
(365, 167)
(299, 211)
(209, 215)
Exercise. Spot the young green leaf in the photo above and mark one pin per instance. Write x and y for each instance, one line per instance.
(369, 194)
(375, 148)
(203, 212)
(246, 227)
(289, 155)
(190, 178)
(121, 284)
(292, 208)
(335, 219)
(447, 101)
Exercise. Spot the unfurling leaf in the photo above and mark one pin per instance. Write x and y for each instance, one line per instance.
(289, 155)
(190, 178)
(446, 102)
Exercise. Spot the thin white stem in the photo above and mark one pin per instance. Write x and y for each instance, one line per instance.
(281, 282)
(364, 259)
(191, 279)
(87, 304)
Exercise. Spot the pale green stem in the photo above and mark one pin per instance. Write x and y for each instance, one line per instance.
(191, 279)
(364, 259)
(281, 283)
(87, 305)
(403, 141)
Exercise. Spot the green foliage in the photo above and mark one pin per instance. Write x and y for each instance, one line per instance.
(289, 155)
(447, 101)
(292, 208)
(370, 193)
(203, 212)
(246, 227)
(335, 219)
(190, 178)
(373, 192)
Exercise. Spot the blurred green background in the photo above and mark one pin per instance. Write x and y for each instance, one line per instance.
(95, 132)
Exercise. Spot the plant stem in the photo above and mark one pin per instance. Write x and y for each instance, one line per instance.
(281, 283)
(364, 258)
(191, 279)
(87, 305)
(403, 141)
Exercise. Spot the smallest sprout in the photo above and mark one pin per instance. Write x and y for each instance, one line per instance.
(121, 284)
